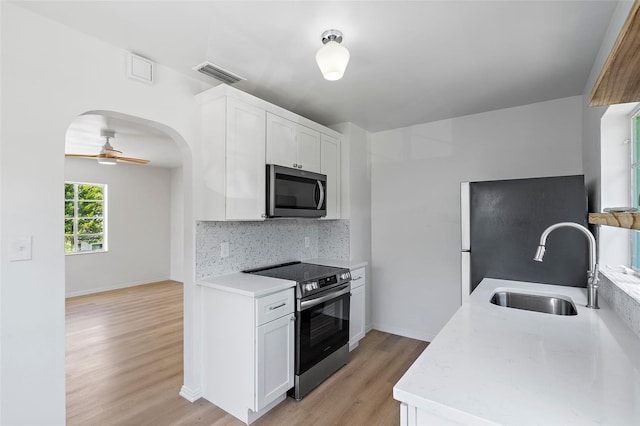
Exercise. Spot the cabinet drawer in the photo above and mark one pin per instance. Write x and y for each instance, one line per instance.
(274, 306)
(358, 277)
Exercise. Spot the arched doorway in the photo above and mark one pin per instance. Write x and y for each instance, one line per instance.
(144, 242)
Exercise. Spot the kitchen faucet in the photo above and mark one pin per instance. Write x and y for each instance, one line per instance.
(592, 284)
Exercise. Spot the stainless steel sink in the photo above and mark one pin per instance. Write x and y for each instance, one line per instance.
(533, 302)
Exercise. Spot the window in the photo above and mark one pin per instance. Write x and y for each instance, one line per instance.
(635, 187)
(85, 217)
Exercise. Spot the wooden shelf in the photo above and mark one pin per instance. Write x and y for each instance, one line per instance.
(620, 220)
(619, 80)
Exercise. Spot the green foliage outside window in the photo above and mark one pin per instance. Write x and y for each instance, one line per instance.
(84, 223)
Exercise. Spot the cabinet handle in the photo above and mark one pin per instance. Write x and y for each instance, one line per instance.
(356, 279)
(272, 308)
(293, 318)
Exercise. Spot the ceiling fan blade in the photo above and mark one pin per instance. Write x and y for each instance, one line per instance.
(133, 160)
(82, 155)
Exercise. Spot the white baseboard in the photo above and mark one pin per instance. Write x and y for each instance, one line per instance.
(405, 332)
(190, 394)
(112, 287)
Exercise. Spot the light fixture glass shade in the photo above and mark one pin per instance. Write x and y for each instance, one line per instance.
(332, 58)
(107, 160)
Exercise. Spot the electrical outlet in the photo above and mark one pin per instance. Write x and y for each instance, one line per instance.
(224, 250)
(306, 242)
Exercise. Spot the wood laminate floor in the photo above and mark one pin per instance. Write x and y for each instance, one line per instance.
(124, 367)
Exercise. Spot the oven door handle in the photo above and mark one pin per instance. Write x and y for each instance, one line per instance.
(303, 306)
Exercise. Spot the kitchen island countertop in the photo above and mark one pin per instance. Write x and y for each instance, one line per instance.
(497, 365)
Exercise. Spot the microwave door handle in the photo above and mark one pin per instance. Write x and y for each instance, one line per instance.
(321, 195)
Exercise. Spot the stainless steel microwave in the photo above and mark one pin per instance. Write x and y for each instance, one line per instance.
(295, 193)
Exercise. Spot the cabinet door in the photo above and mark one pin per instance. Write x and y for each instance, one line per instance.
(330, 166)
(308, 144)
(245, 168)
(274, 359)
(281, 141)
(356, 316)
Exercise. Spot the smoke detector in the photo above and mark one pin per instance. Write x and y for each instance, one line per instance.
(217, 72)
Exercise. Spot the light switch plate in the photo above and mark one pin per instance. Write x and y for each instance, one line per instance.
(20, 248)
(306, 242)
(224, 250)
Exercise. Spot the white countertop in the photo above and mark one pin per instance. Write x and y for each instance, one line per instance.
(496, 365)
(349, 264)
(247, 284)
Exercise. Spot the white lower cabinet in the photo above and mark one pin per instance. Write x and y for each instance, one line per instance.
(357, 307)
(248, 351)
(274, 355)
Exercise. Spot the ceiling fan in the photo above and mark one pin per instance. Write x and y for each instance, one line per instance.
(107, 154)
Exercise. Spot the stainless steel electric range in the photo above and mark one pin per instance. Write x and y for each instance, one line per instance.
(322, 320)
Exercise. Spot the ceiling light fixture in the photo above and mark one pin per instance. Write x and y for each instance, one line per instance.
(108, 161)
(332, 58)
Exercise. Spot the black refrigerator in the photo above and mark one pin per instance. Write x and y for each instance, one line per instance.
(501, 225)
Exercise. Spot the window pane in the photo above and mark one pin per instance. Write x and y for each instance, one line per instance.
(68, 244)
(90, 209)
(90, 226)
(90, 243)
(89, 192)
(635, 249)
(636, 139)
(84, 224)
(68, 191)
(68, 226)
(68, 209)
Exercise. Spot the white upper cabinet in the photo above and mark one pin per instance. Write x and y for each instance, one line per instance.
(233, 152)
(245, 161)
(240, 134)
(290, 144)
(330, 166)
(308, 149)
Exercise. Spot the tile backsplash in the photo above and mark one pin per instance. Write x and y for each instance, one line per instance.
(254, 244)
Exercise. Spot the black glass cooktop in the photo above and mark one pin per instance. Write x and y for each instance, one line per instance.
(296, 271)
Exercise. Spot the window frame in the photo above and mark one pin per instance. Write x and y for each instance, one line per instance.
(634, 196)
(76, 218)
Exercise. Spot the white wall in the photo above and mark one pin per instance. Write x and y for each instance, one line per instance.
(355, 202)
(416, 175)
(138, 216)
(177, 224)
(50, 75)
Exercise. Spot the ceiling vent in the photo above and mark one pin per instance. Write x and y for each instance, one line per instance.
(213, 70)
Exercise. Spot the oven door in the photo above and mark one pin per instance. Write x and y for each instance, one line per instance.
(322, 326)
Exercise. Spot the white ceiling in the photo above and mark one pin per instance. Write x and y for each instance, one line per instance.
(411, 61)
(133, 139)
